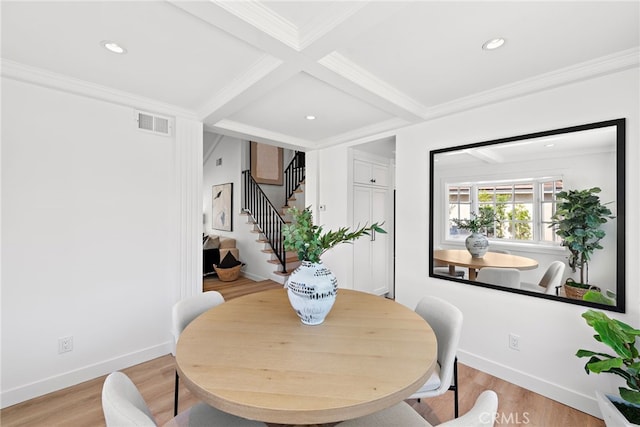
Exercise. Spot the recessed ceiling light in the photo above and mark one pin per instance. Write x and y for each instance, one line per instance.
(113, 47)
(493, 44)
(310, 117)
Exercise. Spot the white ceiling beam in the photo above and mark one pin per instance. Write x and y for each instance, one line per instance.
(244, 131)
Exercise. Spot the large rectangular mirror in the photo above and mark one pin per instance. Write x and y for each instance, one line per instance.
(533, 189)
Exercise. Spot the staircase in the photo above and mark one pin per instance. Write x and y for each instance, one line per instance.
(267, 220)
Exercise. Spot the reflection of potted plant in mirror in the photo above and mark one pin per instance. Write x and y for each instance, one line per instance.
(578, 218)
(626, 363)
(477, 244)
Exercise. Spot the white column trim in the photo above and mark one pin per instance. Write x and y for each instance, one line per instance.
(188, 211)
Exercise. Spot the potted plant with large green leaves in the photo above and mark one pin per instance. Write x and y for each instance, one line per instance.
(621, 338)
(578, 220)
(477, 243)
(311, 287)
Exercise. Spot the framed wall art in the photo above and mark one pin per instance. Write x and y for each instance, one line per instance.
(266, 163)
(222, 208)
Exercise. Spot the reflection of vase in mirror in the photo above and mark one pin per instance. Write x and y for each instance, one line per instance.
(477, 244)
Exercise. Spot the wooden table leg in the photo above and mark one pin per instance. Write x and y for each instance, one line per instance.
(472, 273)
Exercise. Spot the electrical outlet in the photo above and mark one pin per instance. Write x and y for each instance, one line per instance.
(65, 344)
(514, 342)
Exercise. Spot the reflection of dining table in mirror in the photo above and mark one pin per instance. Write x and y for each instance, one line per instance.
(462, 258)
(252, 357)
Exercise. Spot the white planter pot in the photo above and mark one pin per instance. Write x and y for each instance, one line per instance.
(612, 417)
(312, 290)
(477, 245)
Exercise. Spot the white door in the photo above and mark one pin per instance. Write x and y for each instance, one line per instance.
(370, 253)
(380, 257)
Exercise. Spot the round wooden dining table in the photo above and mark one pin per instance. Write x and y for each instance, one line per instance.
(462, 258)
(252, 357)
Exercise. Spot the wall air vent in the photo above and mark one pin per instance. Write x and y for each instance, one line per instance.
(154, 123)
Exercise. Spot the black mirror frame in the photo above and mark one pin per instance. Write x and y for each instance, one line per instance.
(620, 125)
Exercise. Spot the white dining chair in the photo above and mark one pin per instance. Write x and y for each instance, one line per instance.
(446, 321)
(507, 277)
(124, 406)
(483, 414)
(183, 313)
(550, 280)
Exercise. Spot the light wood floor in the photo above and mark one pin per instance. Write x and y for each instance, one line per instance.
(80, 405)
(242, 286)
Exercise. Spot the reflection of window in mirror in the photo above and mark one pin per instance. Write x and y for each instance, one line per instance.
(522, 208)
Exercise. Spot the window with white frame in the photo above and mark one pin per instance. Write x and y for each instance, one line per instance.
(523, 208)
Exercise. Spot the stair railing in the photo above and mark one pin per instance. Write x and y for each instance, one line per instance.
(265, 216)
(294, 174)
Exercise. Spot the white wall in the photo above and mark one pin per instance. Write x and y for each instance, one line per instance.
(87, 248)
(229, 151)
(550, 332)
(334, 192)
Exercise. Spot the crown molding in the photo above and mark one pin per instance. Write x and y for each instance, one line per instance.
(608, 64)
(361, 77)
(264, 19)
(37, 76)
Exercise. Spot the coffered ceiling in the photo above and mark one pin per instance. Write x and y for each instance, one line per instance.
(256, 69)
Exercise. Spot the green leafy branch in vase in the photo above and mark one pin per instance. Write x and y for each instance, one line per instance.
(310, 241)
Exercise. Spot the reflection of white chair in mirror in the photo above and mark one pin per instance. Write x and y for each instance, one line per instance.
(483, 414)
(507, 277)
(549, 282)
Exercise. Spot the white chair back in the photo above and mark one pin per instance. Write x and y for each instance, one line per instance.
(483, 413)
(446, 321)
(552, 277)
(507, 277)
(122, 403)
(186, 310)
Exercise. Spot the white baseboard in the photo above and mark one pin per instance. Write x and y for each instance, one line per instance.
(550, 390)
(253, 276)
(77, 376)
(279, 279)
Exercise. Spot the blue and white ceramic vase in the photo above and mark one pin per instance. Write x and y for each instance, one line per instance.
(477, 245)
(312, 290)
